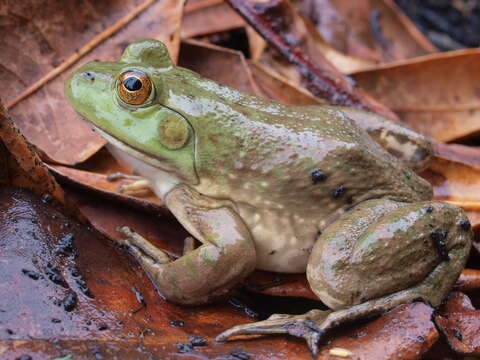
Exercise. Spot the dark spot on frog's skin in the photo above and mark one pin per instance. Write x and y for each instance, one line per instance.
(10, 332)
(464, 225)
(317, 176)
(56, 321)
(429, 209)
(458, 334)
(177, 323)
(339, 191)
(31, 274)
(438, 238)
(272, 252)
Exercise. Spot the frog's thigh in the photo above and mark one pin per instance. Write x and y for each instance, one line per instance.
(226, 256)
(410, 147)
(383, 247)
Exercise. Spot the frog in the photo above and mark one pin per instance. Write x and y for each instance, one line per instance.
(329, 191)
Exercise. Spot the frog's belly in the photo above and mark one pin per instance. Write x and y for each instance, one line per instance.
(283, 241)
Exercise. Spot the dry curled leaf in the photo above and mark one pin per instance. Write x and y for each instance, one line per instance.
(20, 165)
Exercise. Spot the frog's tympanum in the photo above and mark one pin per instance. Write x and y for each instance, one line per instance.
(325, 190)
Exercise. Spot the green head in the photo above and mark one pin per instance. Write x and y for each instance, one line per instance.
(124, 101)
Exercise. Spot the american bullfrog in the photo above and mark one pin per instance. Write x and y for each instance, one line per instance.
(330, 191)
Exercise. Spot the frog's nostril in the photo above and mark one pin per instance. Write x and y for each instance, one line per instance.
(88, 75)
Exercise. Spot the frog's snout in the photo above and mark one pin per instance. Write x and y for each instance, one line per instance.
(86, 86)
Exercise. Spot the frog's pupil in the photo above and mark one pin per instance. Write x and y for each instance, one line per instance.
(132, 83)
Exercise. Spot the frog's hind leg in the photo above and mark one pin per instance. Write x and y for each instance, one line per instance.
(379, 255)
(413, 149)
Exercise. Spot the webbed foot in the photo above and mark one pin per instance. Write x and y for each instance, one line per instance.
(309, 326)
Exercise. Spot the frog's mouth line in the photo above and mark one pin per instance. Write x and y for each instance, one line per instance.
(136, 153)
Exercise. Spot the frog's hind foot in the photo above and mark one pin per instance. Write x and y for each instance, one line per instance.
(309, 326)
(142, 250)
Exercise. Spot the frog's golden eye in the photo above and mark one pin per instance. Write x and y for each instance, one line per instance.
(134, 87)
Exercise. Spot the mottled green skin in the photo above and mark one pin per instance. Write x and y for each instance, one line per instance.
(255, 157)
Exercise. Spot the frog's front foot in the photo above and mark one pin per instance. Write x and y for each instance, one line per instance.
(138, 183)
(226, 256)
(309, 326)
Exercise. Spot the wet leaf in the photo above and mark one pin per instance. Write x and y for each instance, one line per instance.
(37, 62)
(404, 333)
(437, 95)
(376, 30)
(108, 319)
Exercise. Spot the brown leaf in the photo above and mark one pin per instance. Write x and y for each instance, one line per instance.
(461, 330)
(281, 89)
(406, 332)
(376, 30)
(99, 185)
(274, 19)
(20, 165)
(37, 102)
(225, 66)
(456, 302)
(468, 281)
(205, 17)
(436, 95)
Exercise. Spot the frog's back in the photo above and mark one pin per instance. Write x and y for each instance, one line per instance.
(290, 170)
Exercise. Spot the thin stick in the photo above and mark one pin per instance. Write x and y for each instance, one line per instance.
(80, 53)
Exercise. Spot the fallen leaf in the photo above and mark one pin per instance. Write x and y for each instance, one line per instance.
(20, 164)
(36, 102)
(406, 332)
(376, 30)
(275, 21)
(205, 17)
(281, 89)
(461, 330)
(436, 95)
(225, 66)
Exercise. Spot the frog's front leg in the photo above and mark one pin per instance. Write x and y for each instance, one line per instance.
(379, 255)
(411, 148)
(226, 256)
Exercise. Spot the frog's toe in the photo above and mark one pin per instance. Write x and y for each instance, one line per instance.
(307, 326)
(141, 248)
